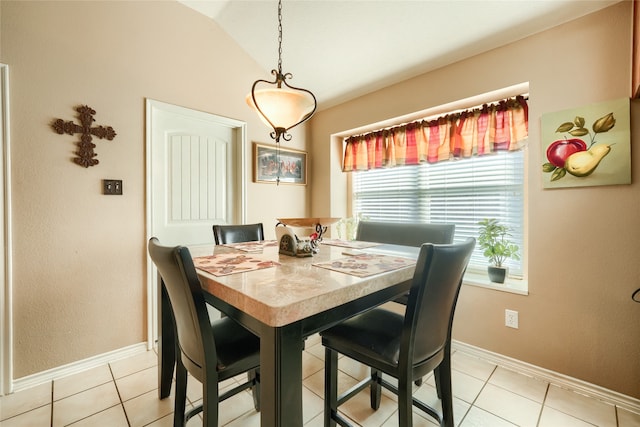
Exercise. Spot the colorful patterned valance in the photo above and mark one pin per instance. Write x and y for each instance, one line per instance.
(500, 126)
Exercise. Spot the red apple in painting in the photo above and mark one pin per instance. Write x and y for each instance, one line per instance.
(559, 151)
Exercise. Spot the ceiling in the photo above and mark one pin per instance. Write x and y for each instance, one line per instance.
(342, 49)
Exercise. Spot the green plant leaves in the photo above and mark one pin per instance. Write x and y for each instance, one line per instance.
(604, 124)
(578, 123)
(579, 132)
(565, 127)
(493, 238)
(558, 173)
(575, 128)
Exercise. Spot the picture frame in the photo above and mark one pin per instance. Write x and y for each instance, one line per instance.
(587, 146)
(271, 162)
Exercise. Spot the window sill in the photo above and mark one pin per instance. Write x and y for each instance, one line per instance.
(514, 286)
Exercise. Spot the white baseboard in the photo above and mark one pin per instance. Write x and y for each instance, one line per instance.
(76, 367)
(564, 381)
(612, 397)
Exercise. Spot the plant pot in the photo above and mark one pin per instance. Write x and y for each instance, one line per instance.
(497, 274)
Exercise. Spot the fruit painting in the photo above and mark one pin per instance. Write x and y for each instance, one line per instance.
(587, 146)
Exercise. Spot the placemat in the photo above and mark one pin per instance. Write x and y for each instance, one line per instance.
(225, 264)
(353, 244)
(366, 264)
(256, 246)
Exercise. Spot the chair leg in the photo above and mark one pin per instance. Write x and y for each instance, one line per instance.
(180, 395)
(330, 387)
(210, 400)
(167, 346)
(254, 375)
(376, 389)
(418, 382)
(444, 365)
(445, 391)
(405, 402)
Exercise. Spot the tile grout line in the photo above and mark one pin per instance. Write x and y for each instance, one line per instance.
(577, 417)
(544, 401)
(542, 404)
(478, 395)
(115, 384)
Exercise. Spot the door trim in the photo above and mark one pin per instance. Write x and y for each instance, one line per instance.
(239, 189)
(6, 312)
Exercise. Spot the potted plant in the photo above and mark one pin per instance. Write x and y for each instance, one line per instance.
(493, 239)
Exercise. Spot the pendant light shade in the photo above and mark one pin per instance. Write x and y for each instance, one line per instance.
(278, 104)
(282, 108)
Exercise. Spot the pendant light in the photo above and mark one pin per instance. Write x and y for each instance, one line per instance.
(280, 105)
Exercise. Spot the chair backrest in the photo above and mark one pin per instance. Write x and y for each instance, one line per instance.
(224, 234)
(432, 298)
(193, 327)
(405, 233)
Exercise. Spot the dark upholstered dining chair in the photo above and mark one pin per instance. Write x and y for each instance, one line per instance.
(405, 233)
(404, 347)
(210, 351)
(224, 234)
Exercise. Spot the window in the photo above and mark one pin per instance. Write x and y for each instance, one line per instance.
(461, 192)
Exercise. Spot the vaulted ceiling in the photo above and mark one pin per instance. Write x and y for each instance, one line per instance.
(341, 49)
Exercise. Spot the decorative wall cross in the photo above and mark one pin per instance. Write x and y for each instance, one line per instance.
(85, 154)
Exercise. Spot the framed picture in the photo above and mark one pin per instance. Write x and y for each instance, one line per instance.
(587, 146)
(271, 162)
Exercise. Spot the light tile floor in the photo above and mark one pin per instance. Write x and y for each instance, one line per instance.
(124, 394)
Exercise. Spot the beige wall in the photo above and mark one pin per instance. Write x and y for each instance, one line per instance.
(583, 243)
(79, 256)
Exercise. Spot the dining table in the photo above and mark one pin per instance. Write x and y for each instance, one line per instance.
(284, 299)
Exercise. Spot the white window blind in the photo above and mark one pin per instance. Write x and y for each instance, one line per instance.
(461, 192)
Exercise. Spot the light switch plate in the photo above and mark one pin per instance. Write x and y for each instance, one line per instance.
(112, 186)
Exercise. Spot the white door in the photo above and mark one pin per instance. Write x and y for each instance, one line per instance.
(195, 179)
(193, 173)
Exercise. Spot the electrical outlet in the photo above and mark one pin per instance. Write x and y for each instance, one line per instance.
(511, 319)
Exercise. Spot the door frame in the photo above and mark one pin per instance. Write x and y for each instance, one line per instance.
(6, 312)
(239, 190)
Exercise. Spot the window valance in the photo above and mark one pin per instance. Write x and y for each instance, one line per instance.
(502, 125)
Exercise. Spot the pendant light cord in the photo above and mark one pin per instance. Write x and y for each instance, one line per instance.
(280, 36)
(279, 73)
(278, 160)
